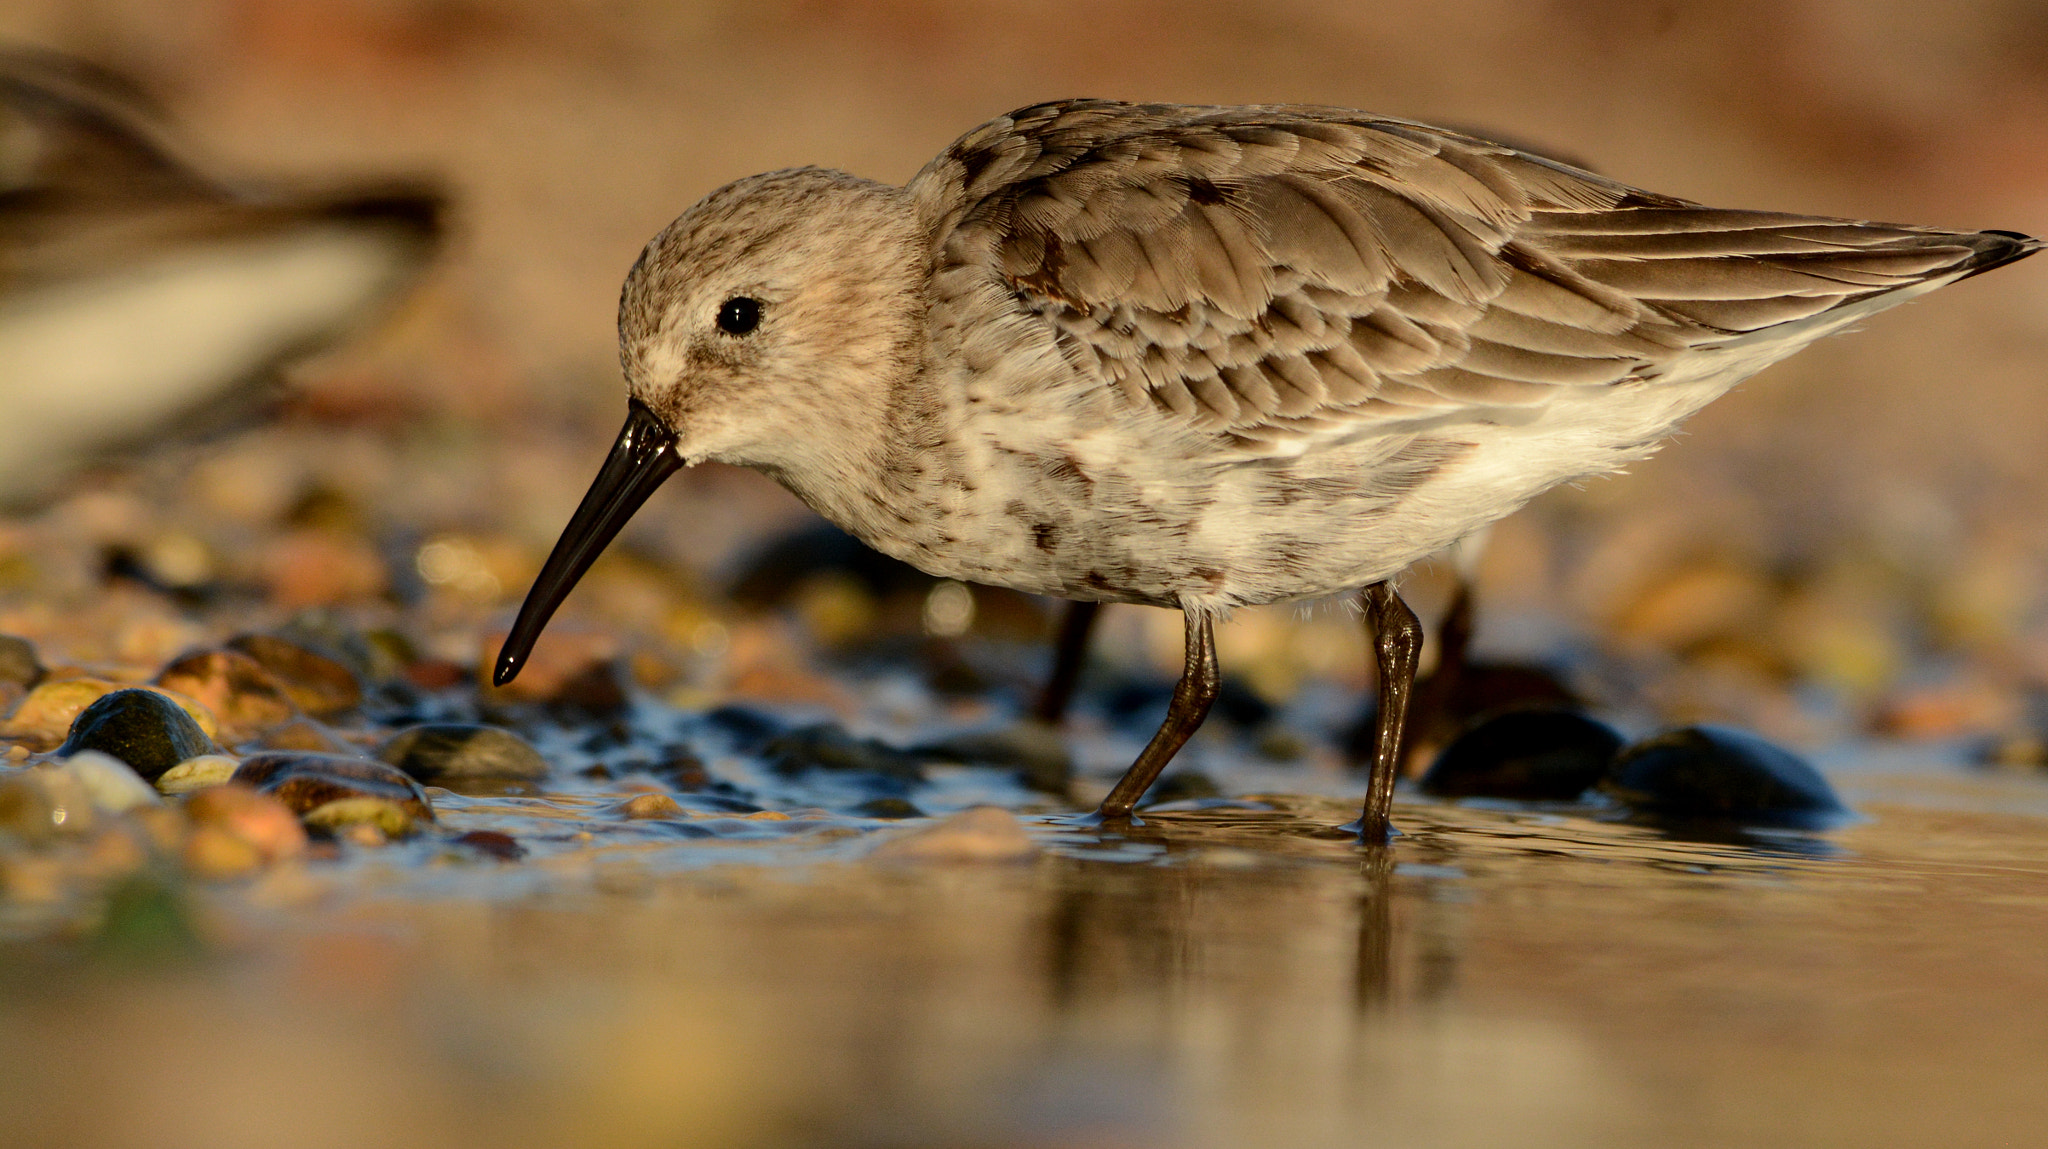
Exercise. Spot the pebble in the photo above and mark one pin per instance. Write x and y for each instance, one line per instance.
(1183, 786)
(828, 746)
(319, 685)
(302, 734)
(491, 843)
(262, 823)
(306, 782)
(1035, 750)
(978, 834)
(18, 662)
(890, 808)
(215, 854)
(241, 694)
(391, 819)
(444, 752)
(1530, 755)
(1716, 772)
(114, 786)
(197, 773)
(143, 728)
(649, 806)
(44, 719)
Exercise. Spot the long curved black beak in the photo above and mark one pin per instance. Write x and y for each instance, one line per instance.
(640, 459)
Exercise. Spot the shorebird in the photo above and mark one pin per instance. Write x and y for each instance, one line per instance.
(138, 296)
(1206, 357)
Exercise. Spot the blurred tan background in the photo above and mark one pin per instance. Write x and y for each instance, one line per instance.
(1907, 459)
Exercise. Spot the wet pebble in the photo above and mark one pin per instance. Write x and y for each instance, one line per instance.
(302, 734)
(443, 752)
(235, 687)
(317, 684)
(197, 773)
(1530, 755)
(492, 844)
(828, 746)
(366, 821)
(1716, 772)
(746, 728)
(144, 729)
(19, 664)
(891, 808)
(649, 806)
(368, 790)
(44, 719)
(1035, 750)
(980, 834)
(237, 831)
(113, 785)
(1182, 786)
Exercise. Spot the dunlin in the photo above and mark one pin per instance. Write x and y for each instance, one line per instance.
(1203, 358)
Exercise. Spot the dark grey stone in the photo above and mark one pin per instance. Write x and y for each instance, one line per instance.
(1531, 755)
(140, 727)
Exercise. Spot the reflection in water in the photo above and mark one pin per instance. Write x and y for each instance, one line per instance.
(1224, 975)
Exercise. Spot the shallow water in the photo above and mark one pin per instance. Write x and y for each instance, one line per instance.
(1229, 973)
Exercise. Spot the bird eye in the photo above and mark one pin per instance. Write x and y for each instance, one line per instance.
(739, 315)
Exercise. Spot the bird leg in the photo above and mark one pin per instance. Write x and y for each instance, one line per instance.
(1075, 628)
(1397, 641)
(1192, 696)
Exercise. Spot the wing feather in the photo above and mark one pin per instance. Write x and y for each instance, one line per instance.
(1282, 274)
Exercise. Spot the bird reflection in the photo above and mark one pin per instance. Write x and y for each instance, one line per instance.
(1175, 907)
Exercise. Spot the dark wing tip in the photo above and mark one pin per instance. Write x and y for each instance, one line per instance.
(1998, 248)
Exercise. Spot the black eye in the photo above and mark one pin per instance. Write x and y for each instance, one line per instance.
(739, 315)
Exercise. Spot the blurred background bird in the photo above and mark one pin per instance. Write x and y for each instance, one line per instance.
(142, 300)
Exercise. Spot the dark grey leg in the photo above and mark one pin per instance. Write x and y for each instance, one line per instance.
(1067, 658)
(1192, 696)
(1397, 641)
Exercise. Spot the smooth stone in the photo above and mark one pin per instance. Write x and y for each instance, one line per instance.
(1715, 772)
(143, 728)
(828, 746)
(1182, 786)
(19, 663)
(1531, 755)
(492, 844)
(261, 821)
(239, 691)
(891, 808)
(216, 854)
(1034, 750)
(391, 819)
(684, 769)
(114, 785)
(305, 782)
(197, 774)
(441, 752)
(748, 729)
(302, 734)
(319, 685)
(649, 806)
(978, 834)
(44, 718)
